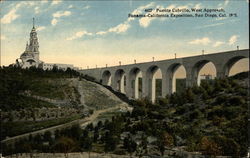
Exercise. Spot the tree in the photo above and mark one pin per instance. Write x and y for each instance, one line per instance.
(96, 134)
(57, 134)
(90, 126)
(209, 147)
(129, 144)
(189, 95)
(75, 132)
(228, 146)
(110, 142)
(99, 124)
(38, 139)
(164, 139)
(65, 145)
(87, 145)
(47, 136)
(142, 147)
(161, 147)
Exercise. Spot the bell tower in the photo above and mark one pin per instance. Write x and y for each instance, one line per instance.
(33, 44)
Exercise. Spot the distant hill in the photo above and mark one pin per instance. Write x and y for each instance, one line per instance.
(241, 75)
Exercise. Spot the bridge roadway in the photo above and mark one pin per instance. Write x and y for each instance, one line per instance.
(124, 78)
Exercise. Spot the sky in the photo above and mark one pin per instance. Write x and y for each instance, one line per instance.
(90, 33)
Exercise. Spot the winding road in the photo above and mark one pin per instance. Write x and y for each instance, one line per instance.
(82, 122)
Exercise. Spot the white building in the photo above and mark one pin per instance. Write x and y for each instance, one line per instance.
(30, 57)
(50, 66)
(206, 77)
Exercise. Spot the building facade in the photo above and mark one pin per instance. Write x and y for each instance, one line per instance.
(30, 57)
(50, 66)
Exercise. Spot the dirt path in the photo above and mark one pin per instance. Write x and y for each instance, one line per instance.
(97, 113)
(82, 122)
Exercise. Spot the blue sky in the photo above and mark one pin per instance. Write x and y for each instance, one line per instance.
(89, 33)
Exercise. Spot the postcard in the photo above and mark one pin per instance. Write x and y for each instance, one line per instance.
(133, 78)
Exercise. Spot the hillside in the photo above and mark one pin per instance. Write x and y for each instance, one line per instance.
(206, 120)
(34, 99)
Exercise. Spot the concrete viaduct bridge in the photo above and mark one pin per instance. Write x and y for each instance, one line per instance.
(124, 78)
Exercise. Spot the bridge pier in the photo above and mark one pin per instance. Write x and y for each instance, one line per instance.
(167, 84)
(145, 85)
(220, 71)
(113, 82)
(190, 79)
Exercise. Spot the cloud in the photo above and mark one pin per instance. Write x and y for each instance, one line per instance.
(140, 10)
(61, 13)
(146, 21)
(79, 35)
(101, 33)
(11, 15)
(218, 43)
(70, 6)
(58, 15)
(143, 22)
(54, 21)
(226, 2)
(198, 6)
(120, 28)
(86, 7)
(222, 5)
(211, 25)
(3, 37)
(37, 10)
(55, 2)
(123, 27)
(44, 1)
(203, 41)
(30, 3)
(40, 28)
(232, 39)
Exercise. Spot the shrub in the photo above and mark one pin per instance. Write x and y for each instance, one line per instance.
(228, 146)
(236, 100)
(209, 147)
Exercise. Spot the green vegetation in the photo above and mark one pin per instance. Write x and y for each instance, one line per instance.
(211, 119)
(15, 81)
(16, 128)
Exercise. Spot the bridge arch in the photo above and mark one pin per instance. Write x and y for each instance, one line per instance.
(120, 80)
(203, 70)
(230, 63)
(175, 71)
(198, 66)
(106, 78)
(152, 74)
(134, 84)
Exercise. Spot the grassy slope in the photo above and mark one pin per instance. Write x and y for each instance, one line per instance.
(53, 85)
